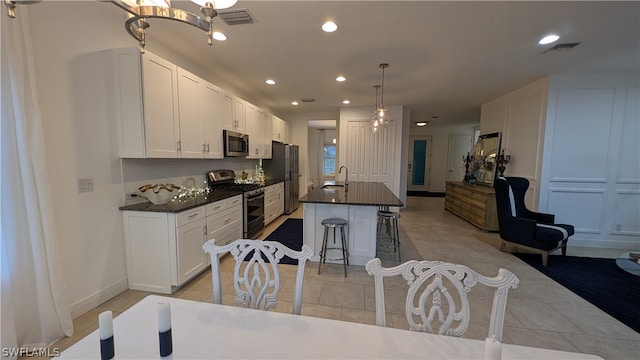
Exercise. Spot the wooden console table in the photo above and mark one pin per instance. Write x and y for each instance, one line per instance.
(474, 203)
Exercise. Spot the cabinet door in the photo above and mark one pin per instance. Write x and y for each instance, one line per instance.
(162, 130)
(191, 257)
(210, 119)
(276, 129)
(239, 115)
(254, 130)
(191, 133)
(226, 111)
(267, 128)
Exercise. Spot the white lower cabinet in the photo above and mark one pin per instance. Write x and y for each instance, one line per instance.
(273, 202)
(164, 250)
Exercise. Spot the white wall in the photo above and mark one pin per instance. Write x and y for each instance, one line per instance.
(521, 116)
(591, 167)
(575, 137)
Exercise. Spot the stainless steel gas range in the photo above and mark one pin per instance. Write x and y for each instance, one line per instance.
(252, 195)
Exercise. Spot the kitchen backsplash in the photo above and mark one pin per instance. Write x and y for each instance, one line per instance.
(139, 172)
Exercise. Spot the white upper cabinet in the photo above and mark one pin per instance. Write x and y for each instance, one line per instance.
(233, 113)
(199, 102)
(160, 107)
(279, 130)
(267, 127)
(254, 129)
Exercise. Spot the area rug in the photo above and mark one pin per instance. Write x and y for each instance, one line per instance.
(289, 233)
(599, 281)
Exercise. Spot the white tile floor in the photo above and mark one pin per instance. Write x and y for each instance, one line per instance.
(540, 312)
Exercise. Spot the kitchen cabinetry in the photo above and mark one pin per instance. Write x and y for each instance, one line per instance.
(267, 133)
(474, 203)
(233, 113)
(164, 250)
(280, 130)
(199, 112)
(224, 221)
(148, 126)
(254, 129)
(273, 202)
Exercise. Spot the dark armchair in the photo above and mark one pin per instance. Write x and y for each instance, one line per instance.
(533, 231)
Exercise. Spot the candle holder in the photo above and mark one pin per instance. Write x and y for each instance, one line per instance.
(467, 160)
(502, 160)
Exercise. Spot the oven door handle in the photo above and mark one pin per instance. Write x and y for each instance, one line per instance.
(251, 198)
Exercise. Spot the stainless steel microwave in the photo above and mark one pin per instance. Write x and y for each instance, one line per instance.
(235, 143)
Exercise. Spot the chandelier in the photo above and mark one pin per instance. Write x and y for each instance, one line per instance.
(138, 11)
(380, 117)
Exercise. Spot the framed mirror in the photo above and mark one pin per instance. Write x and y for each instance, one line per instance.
(485, 155)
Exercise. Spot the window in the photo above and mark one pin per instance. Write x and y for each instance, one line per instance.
(329, 160)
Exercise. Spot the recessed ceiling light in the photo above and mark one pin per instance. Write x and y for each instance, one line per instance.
(295, 103)
(329, 26)
(421, 123)
(341, 78)
(548, 39)
(218, 4)
(346, 102)
(270, 82)
(219, 36)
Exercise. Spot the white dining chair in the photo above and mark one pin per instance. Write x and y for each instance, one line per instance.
(436, 300)
(257, 281)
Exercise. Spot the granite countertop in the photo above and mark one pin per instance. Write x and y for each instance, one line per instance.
(269, 182)
(174, 206)
(359, 193)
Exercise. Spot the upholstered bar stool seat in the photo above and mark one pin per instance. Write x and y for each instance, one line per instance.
(334, 223)
(390, 219)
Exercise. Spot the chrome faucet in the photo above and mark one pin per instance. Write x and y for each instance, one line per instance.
(346, 177)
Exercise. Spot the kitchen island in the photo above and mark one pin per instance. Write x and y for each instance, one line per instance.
(358, 205)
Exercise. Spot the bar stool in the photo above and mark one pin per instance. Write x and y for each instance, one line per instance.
(390, 219)
(334, 223)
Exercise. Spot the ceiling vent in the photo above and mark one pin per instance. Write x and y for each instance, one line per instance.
(236, 16)
(565, 46)
(308, 100)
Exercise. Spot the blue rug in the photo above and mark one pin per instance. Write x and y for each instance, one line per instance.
(289, 234)
(599, 281)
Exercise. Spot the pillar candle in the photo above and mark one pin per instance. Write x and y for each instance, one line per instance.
(164, 329)
(105, 325)
(492, 349)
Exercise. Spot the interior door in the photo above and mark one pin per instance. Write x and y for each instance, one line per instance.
(419, 163)
(459, 146)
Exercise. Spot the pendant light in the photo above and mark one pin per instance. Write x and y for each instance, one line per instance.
(374, 124)
(381, 116)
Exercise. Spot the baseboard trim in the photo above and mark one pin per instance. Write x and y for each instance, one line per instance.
(98, 298)
(604, 243)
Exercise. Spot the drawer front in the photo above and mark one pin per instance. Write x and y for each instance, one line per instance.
(189, 216)
(216, 207)
(227, 235)
(228, 218)
(234, 201)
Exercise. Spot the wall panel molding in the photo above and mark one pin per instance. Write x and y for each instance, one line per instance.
(582, 208)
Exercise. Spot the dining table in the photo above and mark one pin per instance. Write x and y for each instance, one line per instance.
(202, 330)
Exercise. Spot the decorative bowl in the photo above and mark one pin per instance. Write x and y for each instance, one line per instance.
(158, 194)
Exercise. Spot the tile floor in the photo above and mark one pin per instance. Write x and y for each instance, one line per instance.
(540, 312)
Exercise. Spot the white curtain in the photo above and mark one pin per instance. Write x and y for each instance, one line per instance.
(35, 311)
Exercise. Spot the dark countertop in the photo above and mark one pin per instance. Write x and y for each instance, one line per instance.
(269, 182)
(360, 193)
(181, 205)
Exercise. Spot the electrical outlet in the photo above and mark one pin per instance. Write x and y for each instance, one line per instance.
(618, 227)
(85, 185)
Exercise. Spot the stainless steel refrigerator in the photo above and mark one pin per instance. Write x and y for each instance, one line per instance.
(283, 165)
